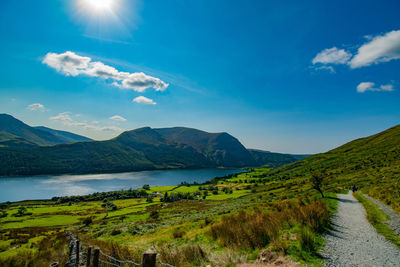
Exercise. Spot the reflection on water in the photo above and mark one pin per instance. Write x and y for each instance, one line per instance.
(48, 186)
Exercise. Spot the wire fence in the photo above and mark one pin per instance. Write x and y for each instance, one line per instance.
(76, 255)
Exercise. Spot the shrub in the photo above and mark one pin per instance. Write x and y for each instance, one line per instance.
(315, 216)
(178, 234)
(3, 214)
(87, 221)
(307, 239)
(146, 187)
(154, 215)
(255, 230)
(116, 232)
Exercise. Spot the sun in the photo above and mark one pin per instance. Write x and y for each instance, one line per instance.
(100, 4)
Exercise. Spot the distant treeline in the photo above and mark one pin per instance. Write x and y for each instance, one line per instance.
(142, 193)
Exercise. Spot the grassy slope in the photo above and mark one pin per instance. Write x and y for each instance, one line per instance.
(372, 163)
(284, 193)
(131, 226)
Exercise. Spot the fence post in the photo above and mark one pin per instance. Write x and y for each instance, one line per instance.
(71, 248)
(77, 252)
(149, 259)
(96, 257)
(89, 256)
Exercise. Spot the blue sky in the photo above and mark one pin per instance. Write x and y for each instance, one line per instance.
(285, 76)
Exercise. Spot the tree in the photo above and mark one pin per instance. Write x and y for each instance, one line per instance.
(87, 221)
(146, 187)
(149, 199)
(154, 215)
(317, 179)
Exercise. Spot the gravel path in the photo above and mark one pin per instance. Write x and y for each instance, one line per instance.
(354, 242)
(394, 221)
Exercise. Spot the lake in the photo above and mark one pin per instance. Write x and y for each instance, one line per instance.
(48, 186)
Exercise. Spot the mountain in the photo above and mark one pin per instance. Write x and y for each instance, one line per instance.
(66, 137)
(15, 131)
(221, 148)
(272, 159)
(9, 140)
(26, 150)
(141, 149)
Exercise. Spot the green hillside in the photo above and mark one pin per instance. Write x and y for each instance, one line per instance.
(17, 128)
(26, 150)
(221, 148)
(371, 163)
(14, 132)
(66, 137)
(141, 149)
(272, 159)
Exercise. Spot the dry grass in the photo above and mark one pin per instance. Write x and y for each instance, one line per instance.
(258, 229)
(247, 230)
(188, 255)
(50, 249)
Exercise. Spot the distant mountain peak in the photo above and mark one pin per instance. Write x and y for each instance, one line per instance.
(40, 135)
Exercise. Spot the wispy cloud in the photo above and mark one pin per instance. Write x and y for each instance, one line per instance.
(144, 100)
(117, 118)
(327, 68)
(332, 56)
(65, 118)
(36, 107)
(71, 64)
(370, 86)
(382, 48)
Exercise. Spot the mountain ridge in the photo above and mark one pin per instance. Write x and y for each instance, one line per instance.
(140, 149)
(39, 135)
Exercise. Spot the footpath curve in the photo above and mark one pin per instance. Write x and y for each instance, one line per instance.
(354, 242)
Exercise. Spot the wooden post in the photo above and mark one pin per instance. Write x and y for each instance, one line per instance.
(71, 247)
(96, 257)
(149, 259)
(77, 252)
(89, 256)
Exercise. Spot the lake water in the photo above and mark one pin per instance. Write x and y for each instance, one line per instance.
(48, 186)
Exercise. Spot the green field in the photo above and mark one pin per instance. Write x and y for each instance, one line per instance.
(178, 228)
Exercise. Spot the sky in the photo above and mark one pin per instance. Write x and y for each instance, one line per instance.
(284, 76)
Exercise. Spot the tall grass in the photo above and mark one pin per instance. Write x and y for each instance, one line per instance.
(187, 255)
(257, 229)
(316, 216)
(50, 249)
(247, 230)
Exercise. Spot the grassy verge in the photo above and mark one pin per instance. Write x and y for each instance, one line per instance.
(378, 219)
(279, 218)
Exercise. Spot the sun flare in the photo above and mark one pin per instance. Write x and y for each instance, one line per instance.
(100, 4)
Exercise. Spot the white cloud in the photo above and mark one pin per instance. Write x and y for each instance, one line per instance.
(63, 117)
(35, 107)
(140, 82)
(117, 118)
(66, 119)
(332, 56)
(370, 86)
(382, 48)
(144, 100)
(71, 64)
(67, 63)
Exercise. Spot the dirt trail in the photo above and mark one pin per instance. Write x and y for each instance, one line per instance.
(354, 242)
